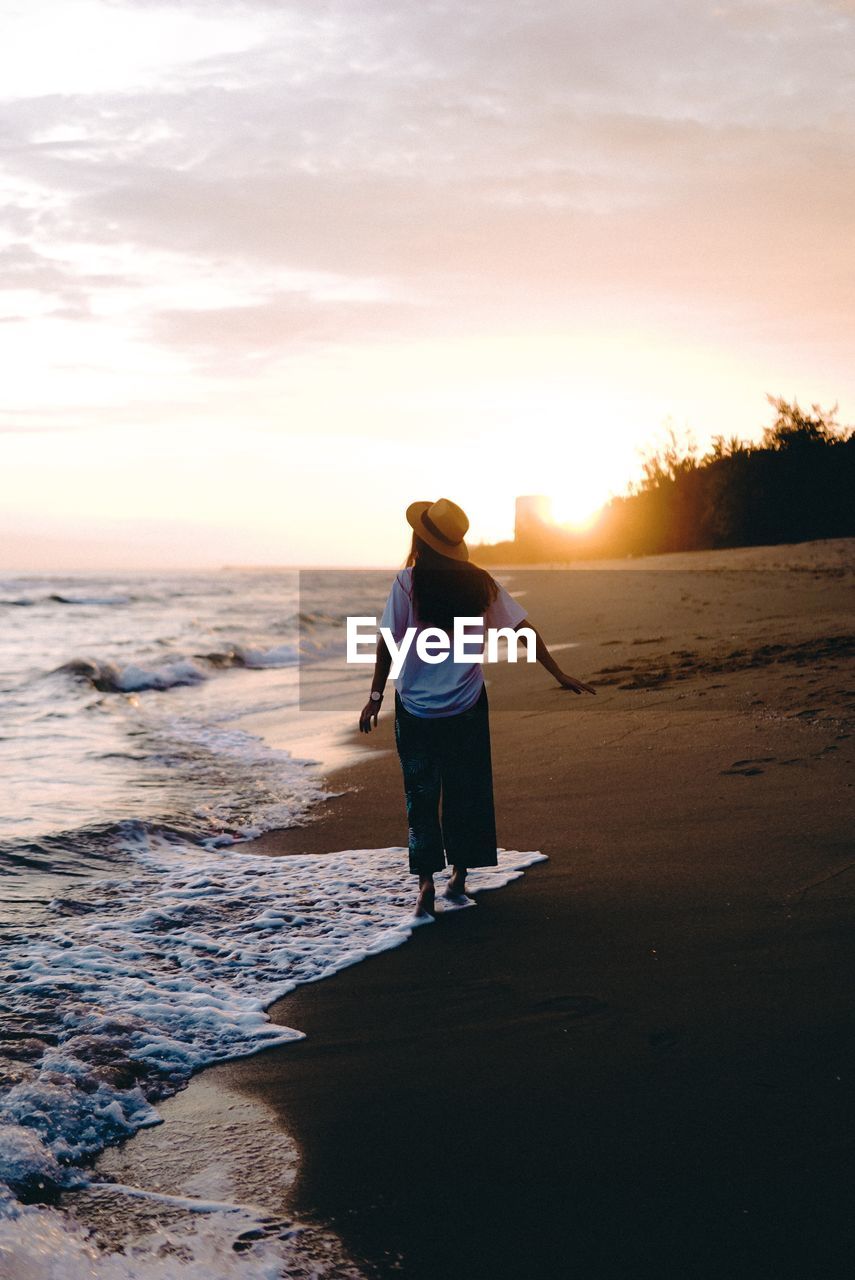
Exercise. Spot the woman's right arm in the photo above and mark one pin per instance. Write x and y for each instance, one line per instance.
(371, 710)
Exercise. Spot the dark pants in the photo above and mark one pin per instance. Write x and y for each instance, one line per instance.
(448, 758)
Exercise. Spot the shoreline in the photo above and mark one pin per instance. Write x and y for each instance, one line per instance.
(632, 1062)
(587, 979)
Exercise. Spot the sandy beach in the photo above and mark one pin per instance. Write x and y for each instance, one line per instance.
(636, 1060)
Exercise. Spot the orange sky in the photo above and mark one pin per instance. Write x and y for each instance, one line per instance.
(272, 270)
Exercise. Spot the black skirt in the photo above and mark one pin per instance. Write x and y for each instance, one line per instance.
(446, 765)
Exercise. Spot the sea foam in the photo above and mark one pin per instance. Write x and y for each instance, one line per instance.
(171, 969)
(42, 1244)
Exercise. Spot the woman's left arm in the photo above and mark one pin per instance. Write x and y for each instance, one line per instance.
(546, 660)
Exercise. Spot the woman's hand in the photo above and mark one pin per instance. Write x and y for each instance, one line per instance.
(382, 666)
(369, 712)
(570, 682)
(546, 659)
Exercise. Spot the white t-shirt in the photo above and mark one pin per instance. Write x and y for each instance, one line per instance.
(443, 688)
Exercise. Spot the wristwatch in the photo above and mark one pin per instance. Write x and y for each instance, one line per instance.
(376, 696)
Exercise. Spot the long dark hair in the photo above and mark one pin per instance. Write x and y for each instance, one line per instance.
(445, 589)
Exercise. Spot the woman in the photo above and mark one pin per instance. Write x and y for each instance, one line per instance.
(442, 729)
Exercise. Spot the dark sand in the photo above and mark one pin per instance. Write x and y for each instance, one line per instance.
(638, 1060)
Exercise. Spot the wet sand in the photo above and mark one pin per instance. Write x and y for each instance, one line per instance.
(639, 1059)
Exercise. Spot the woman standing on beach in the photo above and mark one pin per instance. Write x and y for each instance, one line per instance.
(442, 729)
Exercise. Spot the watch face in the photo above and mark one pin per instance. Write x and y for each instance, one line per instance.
(375, 696)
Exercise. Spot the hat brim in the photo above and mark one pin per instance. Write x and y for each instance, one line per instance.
(415, 519)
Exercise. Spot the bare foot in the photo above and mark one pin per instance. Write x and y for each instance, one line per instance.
(457, 884)
(426, 901)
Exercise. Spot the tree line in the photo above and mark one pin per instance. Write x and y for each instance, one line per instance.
(794, 485)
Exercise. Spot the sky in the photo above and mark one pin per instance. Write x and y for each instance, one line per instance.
(270, 271)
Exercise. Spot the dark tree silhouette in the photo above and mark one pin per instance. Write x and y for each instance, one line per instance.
(796, 484)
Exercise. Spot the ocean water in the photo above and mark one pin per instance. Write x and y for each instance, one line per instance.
(121, 701)
(141, 939)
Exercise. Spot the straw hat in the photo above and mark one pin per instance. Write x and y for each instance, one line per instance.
(442, 525)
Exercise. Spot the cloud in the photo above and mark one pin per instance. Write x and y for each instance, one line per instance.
(250, 337)
(488, 164)
(64, 289)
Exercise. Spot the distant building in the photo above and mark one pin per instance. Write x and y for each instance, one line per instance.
(533, 517)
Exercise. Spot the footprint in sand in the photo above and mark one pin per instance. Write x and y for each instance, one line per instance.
(572, 1006)
(267, 1229)
(748, 768)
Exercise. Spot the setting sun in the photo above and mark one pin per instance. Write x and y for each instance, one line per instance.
(578, 506)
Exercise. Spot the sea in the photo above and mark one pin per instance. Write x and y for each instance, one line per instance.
(151, 726)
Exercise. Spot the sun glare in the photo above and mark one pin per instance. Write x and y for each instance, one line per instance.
(588, 478)
(578, 511)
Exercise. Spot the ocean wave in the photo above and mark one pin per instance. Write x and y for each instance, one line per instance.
(305, 620)
(193, 782)
(280, 655)
(58, 598)
(75, 851)
(109, 678)
(168, 970)
(241, 786)
(321, 619)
